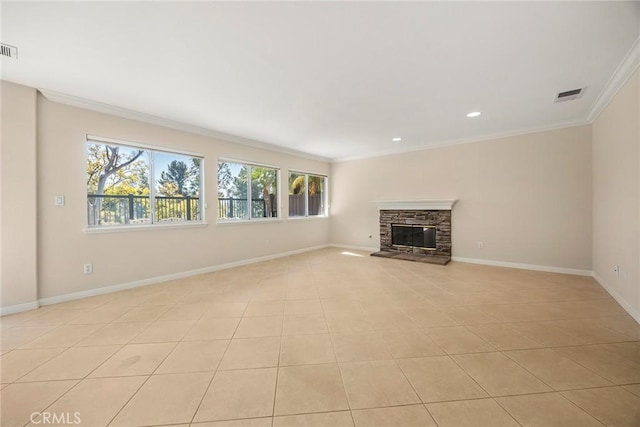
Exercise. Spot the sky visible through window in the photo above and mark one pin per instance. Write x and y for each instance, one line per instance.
(124, 186)
(235, 169)
(162, 161)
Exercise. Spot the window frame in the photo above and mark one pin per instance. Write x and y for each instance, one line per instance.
(325, 195)
(250, 219)
(153, 224)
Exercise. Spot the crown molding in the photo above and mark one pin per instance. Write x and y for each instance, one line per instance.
(630, 63)
(424, 204)
(453, 142)
(113, 110)
(625, 70)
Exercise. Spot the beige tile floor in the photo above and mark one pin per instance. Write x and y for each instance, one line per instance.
(330, 338)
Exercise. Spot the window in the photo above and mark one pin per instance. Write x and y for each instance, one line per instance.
(236, 181)
(307, 195)
(129, 185)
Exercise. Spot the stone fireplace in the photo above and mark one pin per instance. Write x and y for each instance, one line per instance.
(418, 230)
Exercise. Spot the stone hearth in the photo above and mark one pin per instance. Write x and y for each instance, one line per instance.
(425, 213)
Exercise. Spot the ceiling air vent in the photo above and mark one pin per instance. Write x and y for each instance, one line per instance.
(8, 51)
(569, 95)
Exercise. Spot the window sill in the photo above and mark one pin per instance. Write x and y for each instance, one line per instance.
(148, 227)
(308, 218)
(247, 221)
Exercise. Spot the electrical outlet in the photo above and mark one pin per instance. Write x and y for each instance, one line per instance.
(88, 268)
(480, 245)
(59, 200)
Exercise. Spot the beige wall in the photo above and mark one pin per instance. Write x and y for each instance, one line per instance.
(18, 277)
(616, 196)
(130, 256)
(528, 198)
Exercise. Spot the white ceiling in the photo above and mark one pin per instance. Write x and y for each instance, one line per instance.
(332, 79)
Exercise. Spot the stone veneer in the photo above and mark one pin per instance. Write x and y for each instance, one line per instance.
(441, 219)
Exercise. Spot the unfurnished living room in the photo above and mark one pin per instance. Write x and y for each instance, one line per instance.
(320, 214)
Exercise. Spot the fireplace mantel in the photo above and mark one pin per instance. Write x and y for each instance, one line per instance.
(426, 204)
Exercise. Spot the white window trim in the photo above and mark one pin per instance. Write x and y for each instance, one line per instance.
(247, 163)
(144, 227)
(306, 198)
(308, 218)
(153, 225)
(228, 221)
(135, 144)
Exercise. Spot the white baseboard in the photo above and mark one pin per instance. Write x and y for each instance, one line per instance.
(150, 281)
(616, 296)
(159, 279)
(13, 309)
(521, 266)
(355, 248)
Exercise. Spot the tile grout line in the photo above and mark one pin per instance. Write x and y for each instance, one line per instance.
(542, 380)
(140, 388)
(422, 403)
(218, 365)
(335, 357)
(81, 379)
(90, 372)
(507, 411)
(148, 377)
(275, 390)
(463, 324)
(584, 409)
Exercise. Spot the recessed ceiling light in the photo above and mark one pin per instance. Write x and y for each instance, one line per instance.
(474, 114)
(396, 139)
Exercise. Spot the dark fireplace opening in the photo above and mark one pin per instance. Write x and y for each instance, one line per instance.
(415, 236)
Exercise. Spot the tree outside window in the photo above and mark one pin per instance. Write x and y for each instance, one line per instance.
(129, 185)
(236, 181)
(307, 195)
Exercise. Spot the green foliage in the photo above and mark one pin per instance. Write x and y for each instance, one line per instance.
(316, 184)
(125, 189)
(177, 180)
(224, 178)
(194, 170)
(297, 184)
(263, 182)
(116, 172)
(120, 171)
(239, 188)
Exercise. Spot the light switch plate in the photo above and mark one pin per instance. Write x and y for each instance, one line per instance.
(59, 200)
